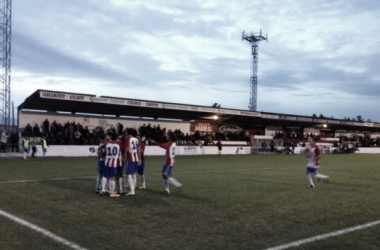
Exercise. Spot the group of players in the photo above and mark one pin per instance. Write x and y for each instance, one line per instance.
(118, 155)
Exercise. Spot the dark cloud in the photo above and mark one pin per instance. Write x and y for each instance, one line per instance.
(50, 38)
(31, 55)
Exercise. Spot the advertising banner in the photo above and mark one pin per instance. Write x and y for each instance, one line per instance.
(203, 127)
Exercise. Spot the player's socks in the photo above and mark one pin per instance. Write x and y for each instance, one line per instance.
(174, 182)
(121, 184)
(130, 183)
(166, 185)
(98, 183)
(310, 179)
(104, 184)
(131, 186)
(112, 184)
(143, 180)
(134, 178)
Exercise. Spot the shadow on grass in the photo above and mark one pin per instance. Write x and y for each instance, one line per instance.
(85, 188)
(154, 196)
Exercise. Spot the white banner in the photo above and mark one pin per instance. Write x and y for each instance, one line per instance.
(85, 151)
(75, 151)
(138, 103)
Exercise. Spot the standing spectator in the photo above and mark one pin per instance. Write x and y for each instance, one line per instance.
(120, 128)
(14, 142)
(46, 126)
(272, 146)
(77, 137)
(25, 146)
(36, 130)
(4, 139)
(33, 143)
(44, 145)
(28, 130)
(294, 145)
(219, 145)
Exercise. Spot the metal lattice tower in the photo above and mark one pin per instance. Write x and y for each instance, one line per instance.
(254, 40)
(5, 61)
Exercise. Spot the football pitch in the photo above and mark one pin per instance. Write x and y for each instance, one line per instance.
(227, 202)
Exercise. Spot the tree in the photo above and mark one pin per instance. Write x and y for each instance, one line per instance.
(359, 118)
(216, 105)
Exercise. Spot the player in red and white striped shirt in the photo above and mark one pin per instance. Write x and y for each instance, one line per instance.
(101, 152)
(113, 160)
(120, 169)
(141, 162)
(131, 154)
(169, 162)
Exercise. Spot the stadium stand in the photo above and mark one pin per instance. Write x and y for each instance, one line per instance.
(81, 119)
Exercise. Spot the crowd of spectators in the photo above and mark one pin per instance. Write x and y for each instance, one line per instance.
(9, 141)
(360, 141)
(294, 135)
(72, 133)
(205, 138)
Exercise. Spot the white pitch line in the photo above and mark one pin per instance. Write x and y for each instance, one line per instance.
(221, 170)
(88, 177)
(51, 179)
(45, 232)
(325, 236)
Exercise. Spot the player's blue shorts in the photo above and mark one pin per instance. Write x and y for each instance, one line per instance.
(26, 150)
(101, 167)
(110, 172)
(130, 167)
(141, 169)
(119, 170)
(311, 170)
(167, 170)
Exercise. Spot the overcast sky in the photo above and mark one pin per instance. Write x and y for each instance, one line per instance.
(321, 57)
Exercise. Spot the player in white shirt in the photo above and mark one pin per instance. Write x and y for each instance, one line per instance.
(131, 144)
(113, 160)
(313, 153)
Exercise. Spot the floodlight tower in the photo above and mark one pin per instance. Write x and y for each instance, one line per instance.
(5, 61)
(254, 39)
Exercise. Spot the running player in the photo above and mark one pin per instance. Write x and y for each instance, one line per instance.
(313, 153)
(112, 161)
(141, 162)
(319, 176)
(169, 162)
(131, 155)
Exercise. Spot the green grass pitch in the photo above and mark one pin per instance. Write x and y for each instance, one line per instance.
(227, 202)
